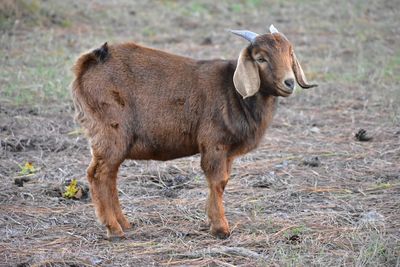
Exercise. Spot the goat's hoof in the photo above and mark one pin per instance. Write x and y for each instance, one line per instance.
(126, 225)
(116, 238)
(115, 233)
(220, 233)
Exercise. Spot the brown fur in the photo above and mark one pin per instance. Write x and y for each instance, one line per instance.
(139, 103)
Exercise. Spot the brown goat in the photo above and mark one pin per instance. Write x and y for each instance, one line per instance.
(140, 103)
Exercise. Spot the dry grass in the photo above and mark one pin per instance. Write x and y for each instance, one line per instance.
(341, 212)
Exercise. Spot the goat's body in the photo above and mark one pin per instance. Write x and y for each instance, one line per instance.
(140, 103)
(124, 100)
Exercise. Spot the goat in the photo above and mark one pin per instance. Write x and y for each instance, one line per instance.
(140, 103)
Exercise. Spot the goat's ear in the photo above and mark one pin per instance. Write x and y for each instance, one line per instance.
(246, 77)
(299, 73)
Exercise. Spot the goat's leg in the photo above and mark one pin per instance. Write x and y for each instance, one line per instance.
(125, 224)
(228, 173)
(217, 169)
(102, 177)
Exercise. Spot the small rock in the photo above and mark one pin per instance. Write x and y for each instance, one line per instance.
(294, 239)
(312, 161)
(207, 41)
(362, 136)
(20, 181)
(315, 130)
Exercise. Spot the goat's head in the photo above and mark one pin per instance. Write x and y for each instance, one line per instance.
(268, 63)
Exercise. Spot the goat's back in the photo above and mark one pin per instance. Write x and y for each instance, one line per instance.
(148, 99)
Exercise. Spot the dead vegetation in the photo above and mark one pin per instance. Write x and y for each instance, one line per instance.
(285, 207)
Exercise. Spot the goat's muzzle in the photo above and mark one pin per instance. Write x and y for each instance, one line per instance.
(289, 84)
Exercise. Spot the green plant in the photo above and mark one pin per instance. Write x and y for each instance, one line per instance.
(28, 168)
(72, 189)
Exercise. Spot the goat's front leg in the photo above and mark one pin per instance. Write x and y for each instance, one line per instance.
(216, 167)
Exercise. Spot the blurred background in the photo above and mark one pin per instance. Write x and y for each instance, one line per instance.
(313, 193)
(348, 43)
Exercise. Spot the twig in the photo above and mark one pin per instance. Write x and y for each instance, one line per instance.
(223, 250)
(284, 230)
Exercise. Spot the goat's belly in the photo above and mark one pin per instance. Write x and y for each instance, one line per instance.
(156, 150)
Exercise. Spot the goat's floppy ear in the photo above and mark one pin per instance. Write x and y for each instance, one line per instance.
(246, 77)
(299, 73)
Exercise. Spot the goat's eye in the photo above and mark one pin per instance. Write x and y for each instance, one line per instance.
(261, 60)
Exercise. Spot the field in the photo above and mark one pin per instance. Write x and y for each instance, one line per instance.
(312, 193)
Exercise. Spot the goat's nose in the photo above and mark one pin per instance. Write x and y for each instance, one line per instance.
(289, 83)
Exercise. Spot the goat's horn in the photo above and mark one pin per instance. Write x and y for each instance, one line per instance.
(272, 29)
(248, 35)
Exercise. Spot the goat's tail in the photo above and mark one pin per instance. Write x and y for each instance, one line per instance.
(98, 55)
(81, 98)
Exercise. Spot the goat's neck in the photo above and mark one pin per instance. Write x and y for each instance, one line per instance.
(252, 121)
(259, 111)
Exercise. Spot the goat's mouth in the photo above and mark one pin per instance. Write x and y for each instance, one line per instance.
(284, 93)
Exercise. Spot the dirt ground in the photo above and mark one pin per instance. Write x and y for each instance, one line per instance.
(312, 194)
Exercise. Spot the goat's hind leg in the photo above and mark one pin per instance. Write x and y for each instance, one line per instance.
(125, 224)
(102, 176)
